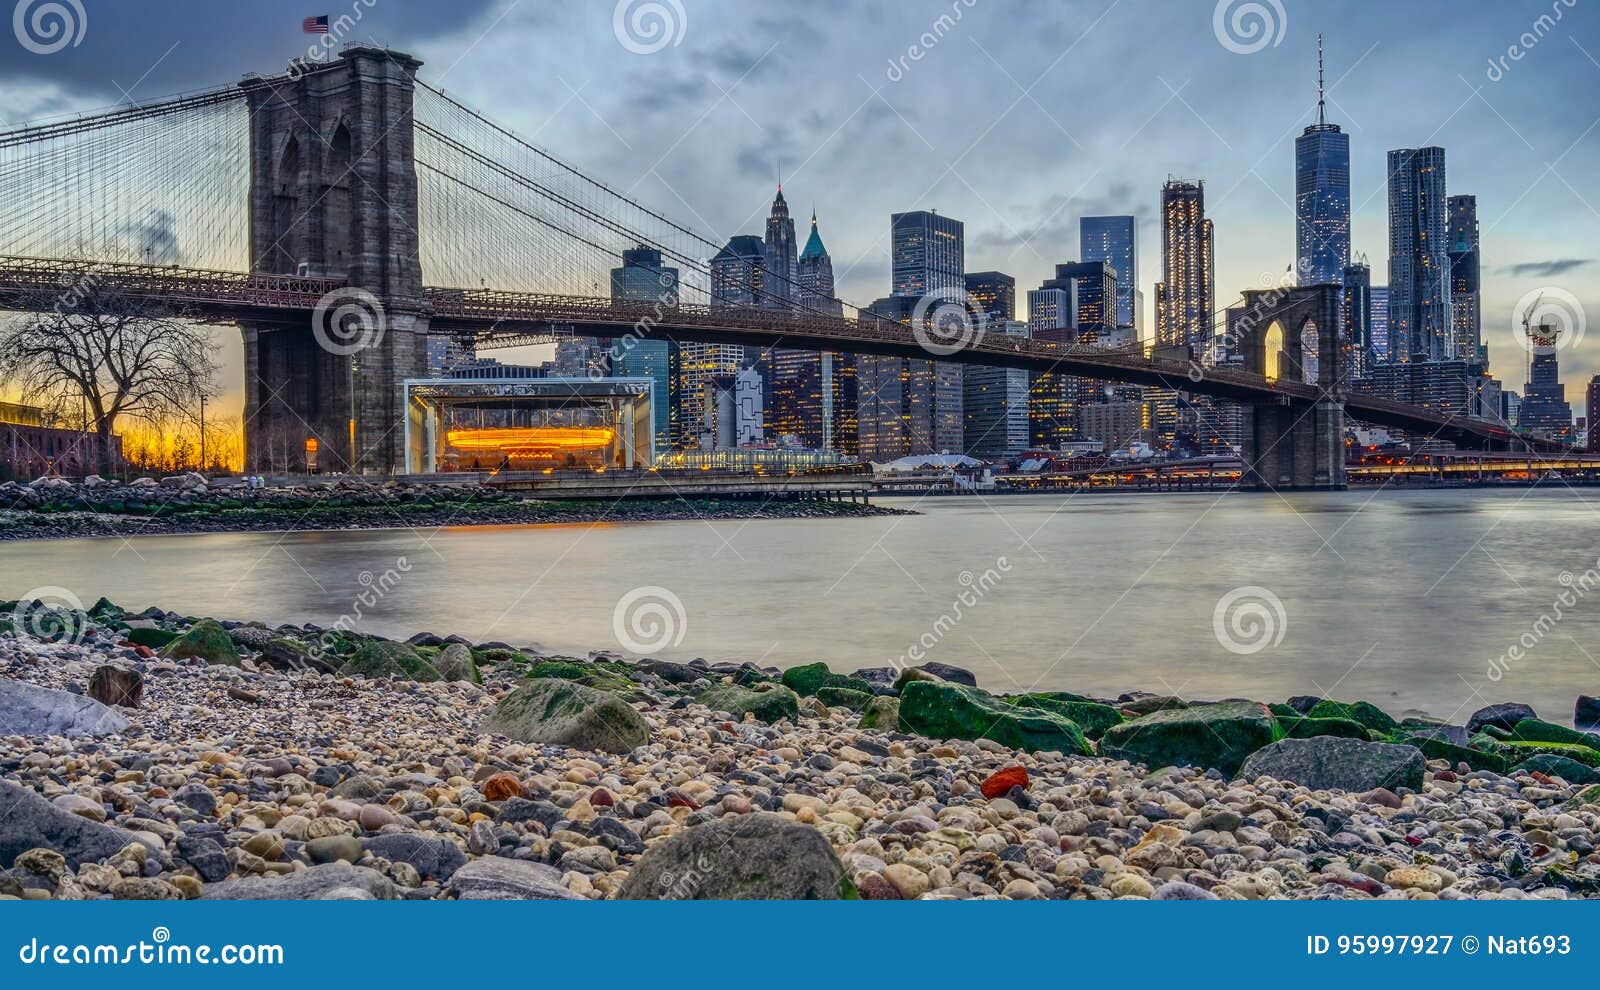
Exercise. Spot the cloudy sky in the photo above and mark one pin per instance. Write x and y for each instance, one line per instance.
(1015, 116)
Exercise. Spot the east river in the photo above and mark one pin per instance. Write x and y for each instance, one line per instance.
(1437, 600)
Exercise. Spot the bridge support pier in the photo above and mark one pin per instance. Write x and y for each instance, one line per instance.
(1290, 445)
(333, 194)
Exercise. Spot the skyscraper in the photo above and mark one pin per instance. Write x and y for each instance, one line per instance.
(1380, 324)
(1544, 400)
(927, 255)
(1070, 309)
(1420, 326)
(1113, 240)
(1322, 197)
(994, 404)
(1466, 305)
(1591, 408)
(811, 396)
(994, 294)
(781, 264)
(906, 406)
(737, 272)
(643, 278)
(1356, 312)
(1186, 296)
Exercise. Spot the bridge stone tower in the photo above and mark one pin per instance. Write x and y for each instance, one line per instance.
(1292, 444)
(333, 194)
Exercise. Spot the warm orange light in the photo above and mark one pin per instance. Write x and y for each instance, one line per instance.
(311, 445)
(526, 439)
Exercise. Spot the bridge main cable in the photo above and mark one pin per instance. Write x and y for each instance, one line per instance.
(29, 133)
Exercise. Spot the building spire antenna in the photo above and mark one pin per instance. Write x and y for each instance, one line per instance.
(1322, 103)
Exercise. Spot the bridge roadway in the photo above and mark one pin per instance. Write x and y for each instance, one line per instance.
(488, 315)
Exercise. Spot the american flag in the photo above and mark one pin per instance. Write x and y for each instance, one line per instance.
(315, 25)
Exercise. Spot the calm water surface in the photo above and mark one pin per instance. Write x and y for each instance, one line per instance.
(1402, 598)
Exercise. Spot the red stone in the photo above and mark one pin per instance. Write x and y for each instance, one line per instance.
(675, 799)
(1446, 775)
(1541, 778)
(502, 786)
(143, 651)
(1414, 840)
(601, 798)
(1001, 783)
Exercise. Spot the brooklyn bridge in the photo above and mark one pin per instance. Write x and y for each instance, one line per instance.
(342, 212)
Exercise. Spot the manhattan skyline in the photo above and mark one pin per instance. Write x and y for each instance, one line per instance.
(1017, 134)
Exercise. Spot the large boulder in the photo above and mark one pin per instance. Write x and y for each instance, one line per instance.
(1538, 730)
(115, 685)
(759, 856)
(496, 878)
(205, 640)
(804, 680)
(1364, 712)
(328, 882)
(386, 658)
(1503, 716)
(943, 710)
(1093, 718)
(1586, 712)
(434, 856)
(934, 671)
(1337, 763)
(557, 711)
(28, 821)
(881, 713)
(1307, 728)
(1567, 769)
(773, 705)
(455, 663)
(30, 710)
(1217, 736)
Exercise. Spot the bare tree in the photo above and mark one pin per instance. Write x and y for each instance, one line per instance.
(90, 349)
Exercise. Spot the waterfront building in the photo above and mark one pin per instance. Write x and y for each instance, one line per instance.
(1071, 309)
(1511, 407)
(780, 258)
(993, 295)
(445, 351)
(1457, 387)
(1186, 295)
(1466, 303)
(1380, 324)
(1420, 324)
(1322, 197)
(994, 404)
(1117, 424)
(737, 274)
(1113, 240)
(643, 277)
(811, 397)
(1591, 408)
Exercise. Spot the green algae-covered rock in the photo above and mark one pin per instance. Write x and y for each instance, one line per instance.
(840, 697)
(805, 680)
(1435, 748)
(1219, 736)
(1365, 712)
(387, 658)
(774, 705)
(1093, 718)
(551, 710)
(1538, 730)
(1305, 727)
(155, 639)
(1515, 751)
(1567, 769)
(207, 640)
(943, 710)
(882, 713)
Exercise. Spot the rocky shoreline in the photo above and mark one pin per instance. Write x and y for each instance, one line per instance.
(157, 755)
(54, 508)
